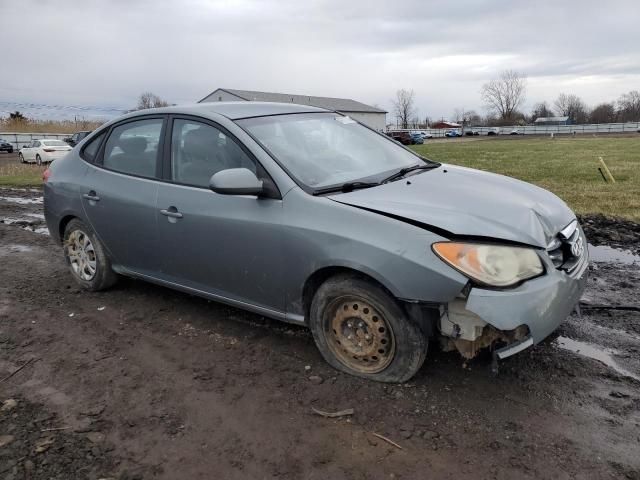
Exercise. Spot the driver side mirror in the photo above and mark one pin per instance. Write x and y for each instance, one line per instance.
(236, 181)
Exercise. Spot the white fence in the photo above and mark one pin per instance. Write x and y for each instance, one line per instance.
(629, 127)
(19, 139)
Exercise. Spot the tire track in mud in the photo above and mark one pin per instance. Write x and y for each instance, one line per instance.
(181, 387)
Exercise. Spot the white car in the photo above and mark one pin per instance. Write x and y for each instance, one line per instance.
(42, 151)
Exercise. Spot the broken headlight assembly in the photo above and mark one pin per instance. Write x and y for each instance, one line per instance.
(491, 265)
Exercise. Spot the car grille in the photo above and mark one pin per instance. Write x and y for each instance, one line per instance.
(568, 250)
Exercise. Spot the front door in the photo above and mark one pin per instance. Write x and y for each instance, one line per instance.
(228, 246)
(119, 194)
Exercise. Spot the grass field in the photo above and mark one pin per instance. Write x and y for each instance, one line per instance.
(566, 166)
(20, 175)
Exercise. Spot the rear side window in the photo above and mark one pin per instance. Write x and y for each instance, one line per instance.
(91, 149)
(133, 148)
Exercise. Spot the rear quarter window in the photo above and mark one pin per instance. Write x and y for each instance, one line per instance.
(90, 150)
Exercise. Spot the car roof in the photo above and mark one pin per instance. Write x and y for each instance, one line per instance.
(236, 110)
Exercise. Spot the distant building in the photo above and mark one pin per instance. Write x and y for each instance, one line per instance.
(552, 121)
(443, 124)
(370, 116)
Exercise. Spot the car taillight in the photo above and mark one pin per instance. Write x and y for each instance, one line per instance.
(45, 175)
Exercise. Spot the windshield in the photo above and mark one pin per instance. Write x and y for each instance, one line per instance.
(326, 149)
(54, 143)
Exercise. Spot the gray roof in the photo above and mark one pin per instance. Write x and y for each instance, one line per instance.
(551, 119)
(232, 110)
(337, 104)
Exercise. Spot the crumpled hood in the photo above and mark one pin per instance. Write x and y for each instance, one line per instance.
(470, 202)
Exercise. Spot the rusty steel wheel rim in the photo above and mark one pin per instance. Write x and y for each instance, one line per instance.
(359, 335)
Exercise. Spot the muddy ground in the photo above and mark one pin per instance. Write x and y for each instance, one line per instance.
(142, 382)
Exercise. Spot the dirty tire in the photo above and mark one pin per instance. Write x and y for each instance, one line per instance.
(21, 158)
(345, 301)
(38, 160)
(103, 276)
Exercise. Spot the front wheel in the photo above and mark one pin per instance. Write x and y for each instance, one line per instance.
(360, 329)
(38, 160)
(86, 257)
(21, 158)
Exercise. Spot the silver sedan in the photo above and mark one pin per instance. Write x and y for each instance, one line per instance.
(306, 216)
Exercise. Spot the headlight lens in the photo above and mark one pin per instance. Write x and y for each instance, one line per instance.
(494, 265)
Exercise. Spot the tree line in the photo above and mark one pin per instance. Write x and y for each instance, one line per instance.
(503, 98)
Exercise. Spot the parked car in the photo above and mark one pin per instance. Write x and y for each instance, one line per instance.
(515, 131)
(41, 151)
(74, 139)
(6, 146)
(417, 138)
(375, 248)
(425, 135)
(472, 133)
(404, 138)
(452, 133)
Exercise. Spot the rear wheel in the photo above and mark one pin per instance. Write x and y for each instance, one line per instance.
(86, 257)
(360, 329)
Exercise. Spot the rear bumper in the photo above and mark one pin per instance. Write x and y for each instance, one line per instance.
(541, 304)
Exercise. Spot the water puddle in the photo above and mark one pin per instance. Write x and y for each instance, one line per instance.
(589, 350)
(15, 248)
(26, 224)
(604, 253)
(24, 201)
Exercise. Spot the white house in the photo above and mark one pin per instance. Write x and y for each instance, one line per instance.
(370, 116)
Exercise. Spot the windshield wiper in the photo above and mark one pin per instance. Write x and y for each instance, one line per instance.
(403, 171)
(345, 187)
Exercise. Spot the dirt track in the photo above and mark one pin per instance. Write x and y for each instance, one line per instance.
(150, 383)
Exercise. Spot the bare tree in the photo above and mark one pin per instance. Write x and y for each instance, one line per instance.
(403, 106)
(504, 95)
(573, 107)
(150, 100)
(629, 106)
(466, 117)
(541, 109)
(603, 113)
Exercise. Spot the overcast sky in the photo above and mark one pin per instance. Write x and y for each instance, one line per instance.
(105, 53)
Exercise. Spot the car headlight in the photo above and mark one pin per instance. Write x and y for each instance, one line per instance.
(493, 265)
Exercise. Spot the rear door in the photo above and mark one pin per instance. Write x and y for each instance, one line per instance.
(120, 190)
(225, 245)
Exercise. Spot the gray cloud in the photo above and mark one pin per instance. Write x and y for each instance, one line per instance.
(105, 53)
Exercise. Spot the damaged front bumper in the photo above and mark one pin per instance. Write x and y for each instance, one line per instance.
(518, 317)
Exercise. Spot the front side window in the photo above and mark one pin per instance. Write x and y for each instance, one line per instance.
(133, 147)
(326, 149)
(199, 150)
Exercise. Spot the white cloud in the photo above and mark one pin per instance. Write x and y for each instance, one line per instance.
(105, 53)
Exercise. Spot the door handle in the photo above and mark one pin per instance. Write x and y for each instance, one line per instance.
(171, 212)
(91, 196)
